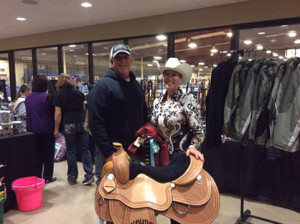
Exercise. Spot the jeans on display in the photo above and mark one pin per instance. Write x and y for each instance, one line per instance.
(78, 140)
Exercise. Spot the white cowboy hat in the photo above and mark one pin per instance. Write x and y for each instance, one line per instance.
(184, 69)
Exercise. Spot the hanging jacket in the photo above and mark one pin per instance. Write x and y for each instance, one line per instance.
(243, 111)
(261, 95)
(287, 126)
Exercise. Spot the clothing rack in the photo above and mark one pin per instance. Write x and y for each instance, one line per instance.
(245, 214)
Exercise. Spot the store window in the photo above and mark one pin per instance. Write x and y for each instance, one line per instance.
(23, 67)
(101, 53)
(201, 49)
(75, 62)
(279, 42)
(47, 62)
(148, 55)
(4, 75)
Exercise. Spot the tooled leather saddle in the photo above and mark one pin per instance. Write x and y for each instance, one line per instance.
(125, 198)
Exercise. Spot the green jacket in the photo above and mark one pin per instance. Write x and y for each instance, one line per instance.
(287, 125)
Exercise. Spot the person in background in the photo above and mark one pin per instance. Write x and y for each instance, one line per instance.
(40, 120)
(70, 110)
(116, 104)
(19, 108)
(177, 114)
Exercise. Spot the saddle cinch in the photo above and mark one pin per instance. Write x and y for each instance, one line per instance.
(134, 193)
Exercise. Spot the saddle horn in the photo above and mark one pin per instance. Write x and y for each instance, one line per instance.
(120, 161)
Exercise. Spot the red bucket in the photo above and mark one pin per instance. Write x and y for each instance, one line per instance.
(29, 192)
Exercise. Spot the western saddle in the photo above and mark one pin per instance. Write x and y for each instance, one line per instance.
(191, 198)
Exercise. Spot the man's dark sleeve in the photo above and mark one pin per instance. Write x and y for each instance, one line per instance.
(98, 114)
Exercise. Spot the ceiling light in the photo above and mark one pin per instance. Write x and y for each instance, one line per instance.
(86, 4)
(201, 63)
(275, 54)
(192, 66)
(229, 34)
(259, 47)
(228, 54)
(71, 50)
(280, 57)
(191, 43)
(21, 18)
(161, 37)
(213, 49)
(72, 45)
(214, 65)
(268, 51)
(297, 41)
(150, 65)
(273, 40)
(157, 57)
(247, 42)
(30, 2)
(261, 33)
(183, 61)
(292, 33)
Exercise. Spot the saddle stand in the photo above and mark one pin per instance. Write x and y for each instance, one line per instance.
(191, 198)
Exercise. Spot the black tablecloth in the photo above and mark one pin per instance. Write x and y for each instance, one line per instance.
(270, 175)
(17, 153)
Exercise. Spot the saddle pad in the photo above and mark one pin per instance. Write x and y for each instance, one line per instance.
(139, 215)
(203, 214)
(195, 193)
(102, 207)
(140, 192)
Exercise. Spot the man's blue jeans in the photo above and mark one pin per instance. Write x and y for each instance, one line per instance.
(78, 140)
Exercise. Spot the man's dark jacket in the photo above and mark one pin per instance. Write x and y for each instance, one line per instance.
(116, 110)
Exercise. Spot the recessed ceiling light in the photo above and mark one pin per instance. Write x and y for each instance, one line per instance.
(292, 33)
(297, 41)
(229, 34)
(201, 63)
(30, 2)
(247, 42)
(261, 33)
(86, 4)
(161, 37)
(192, 45)
(259, 47)
(21, 19)
(72, 45)
(157, 57)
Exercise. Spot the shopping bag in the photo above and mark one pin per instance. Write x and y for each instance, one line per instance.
(60, 148)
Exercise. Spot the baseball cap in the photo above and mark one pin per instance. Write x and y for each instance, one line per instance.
(118, 49)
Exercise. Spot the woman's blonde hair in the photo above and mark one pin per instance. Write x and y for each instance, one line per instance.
(64, 80)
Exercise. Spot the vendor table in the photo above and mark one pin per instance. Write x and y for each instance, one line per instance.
(17, 153)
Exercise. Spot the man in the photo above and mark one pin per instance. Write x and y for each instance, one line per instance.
(116, 104)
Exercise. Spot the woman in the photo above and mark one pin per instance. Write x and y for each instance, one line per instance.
(69, 109)
(19, 106)
(177, 114)
(40, 120)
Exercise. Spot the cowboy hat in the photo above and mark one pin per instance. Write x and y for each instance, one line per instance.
(184, 69)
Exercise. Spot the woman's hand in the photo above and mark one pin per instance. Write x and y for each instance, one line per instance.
(193, 151)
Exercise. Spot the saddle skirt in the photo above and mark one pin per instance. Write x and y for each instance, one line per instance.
(192, 198)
